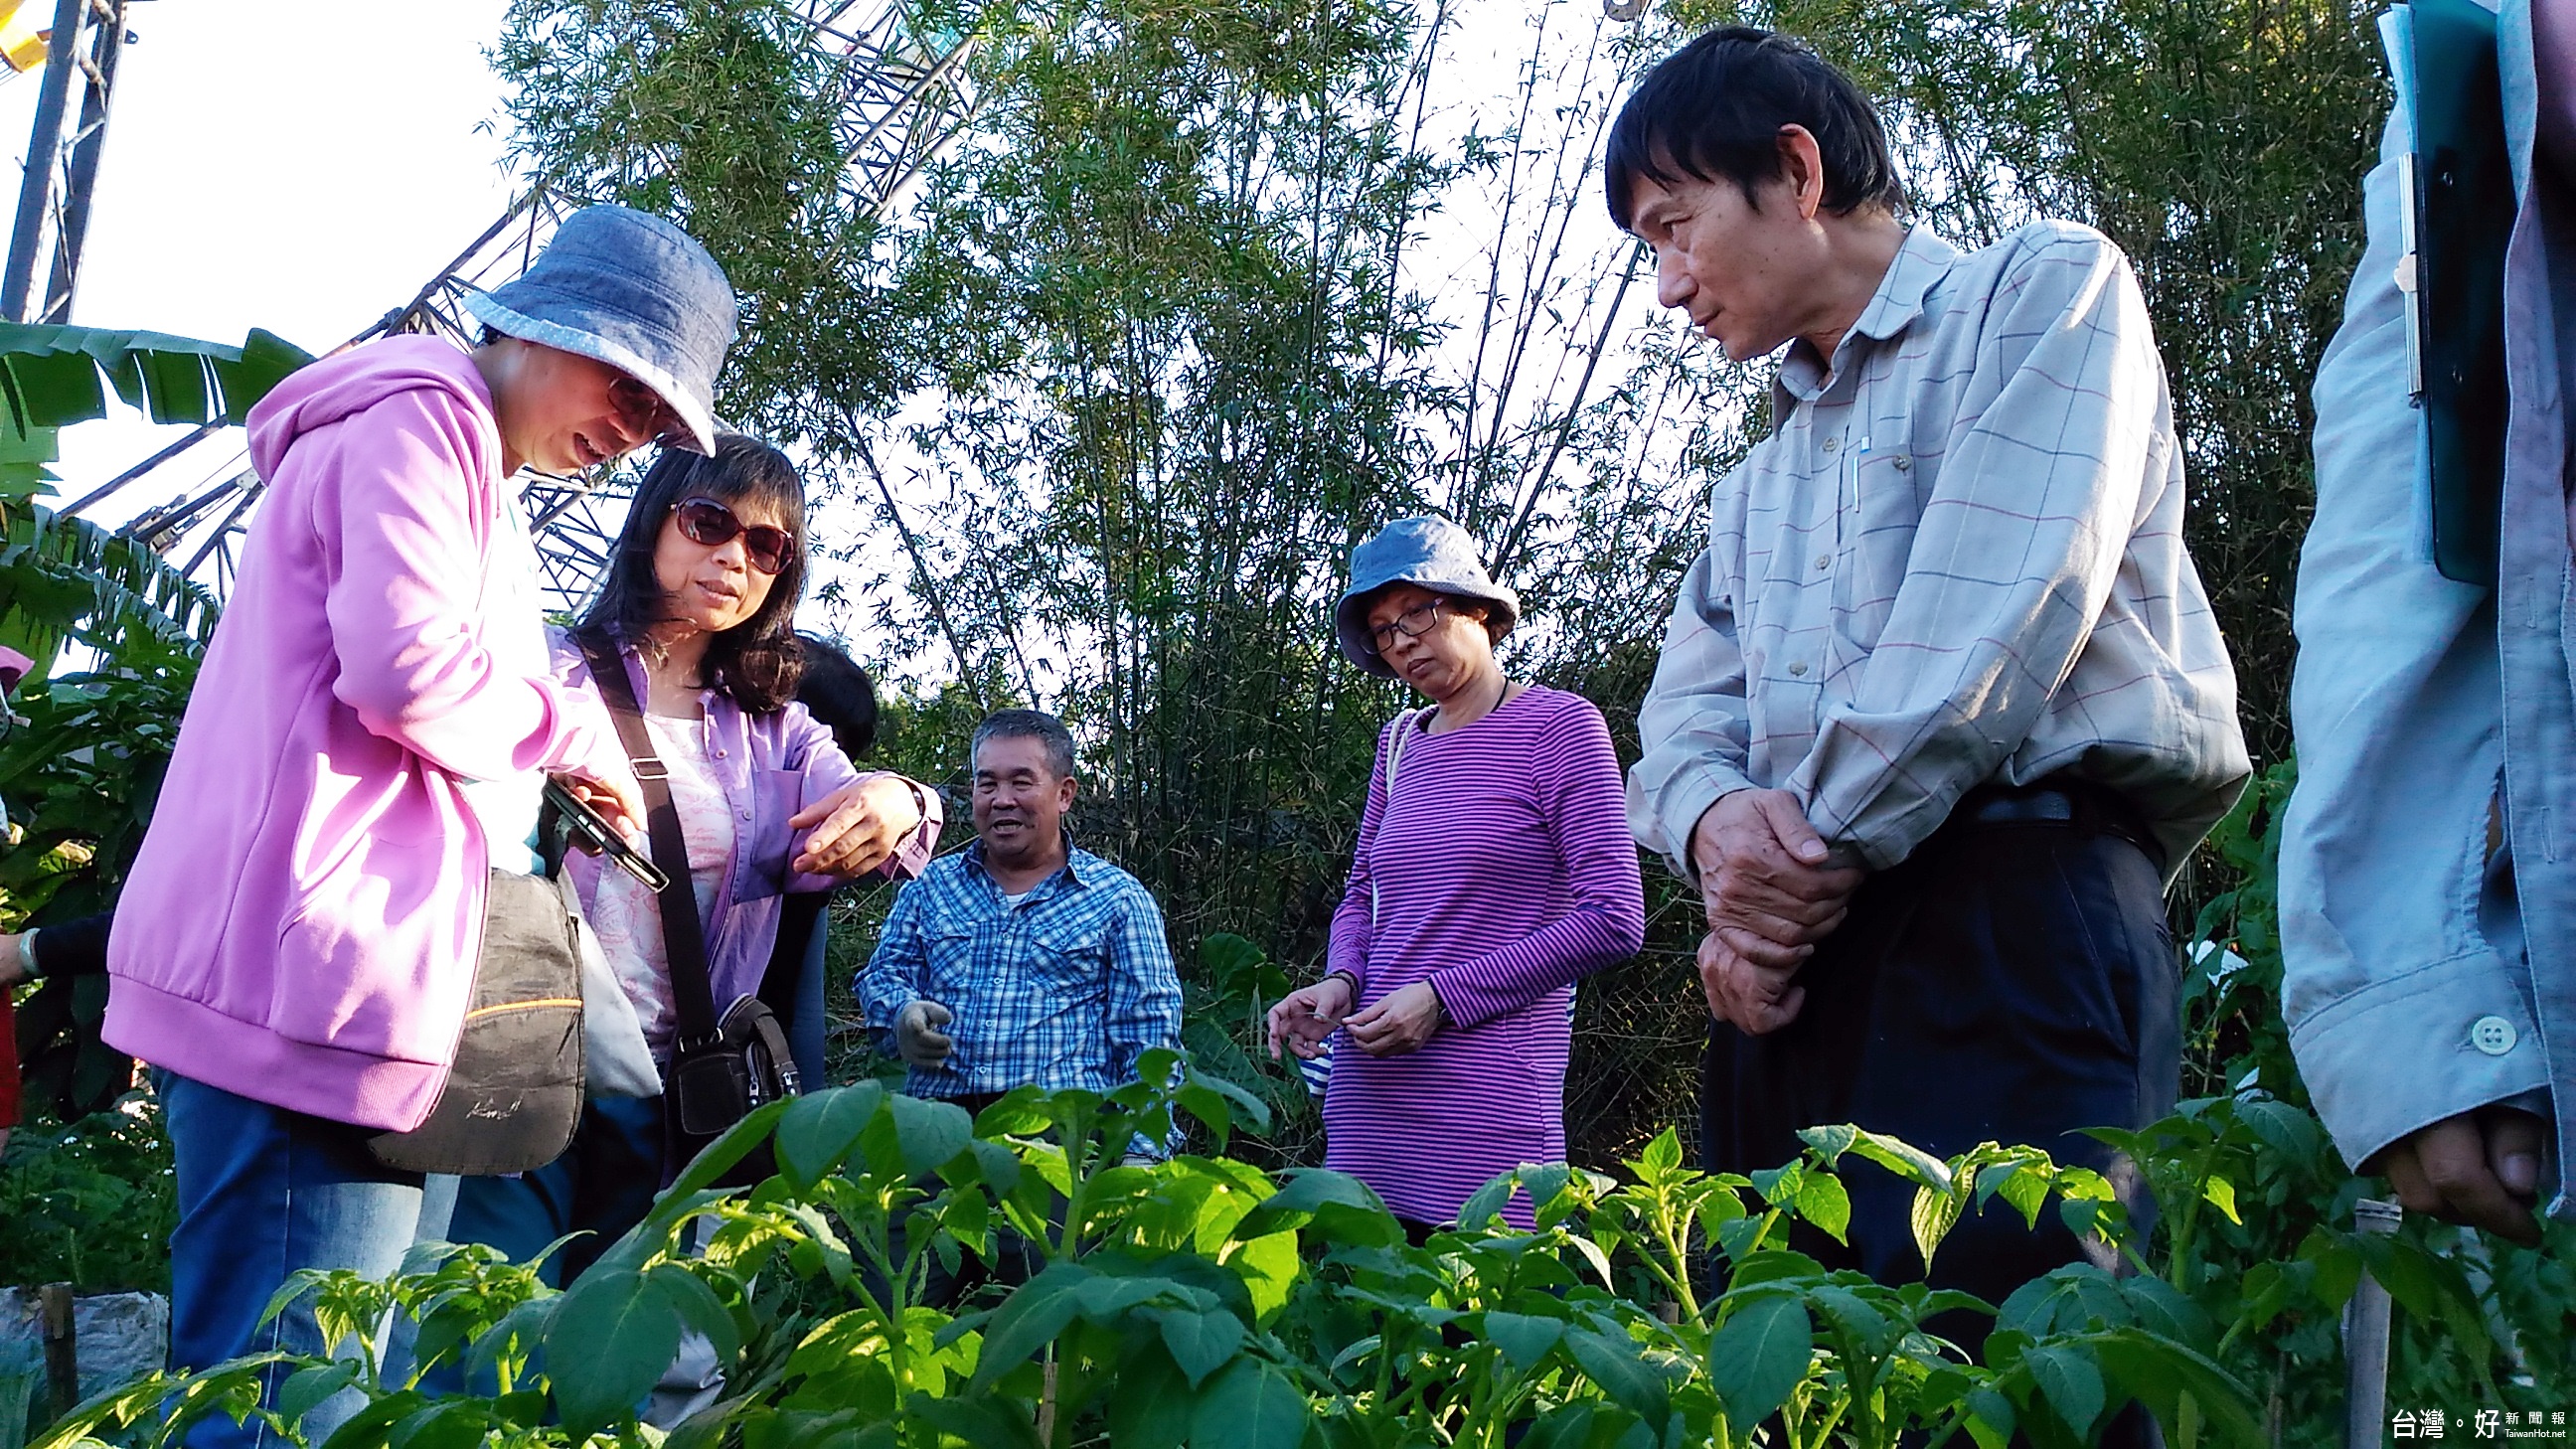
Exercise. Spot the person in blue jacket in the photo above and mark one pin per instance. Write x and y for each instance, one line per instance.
(2428, 882)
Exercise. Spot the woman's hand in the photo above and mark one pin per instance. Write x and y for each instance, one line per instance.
(1306, 1016)
(619, 801)
(858, 827)
(1399, 1023)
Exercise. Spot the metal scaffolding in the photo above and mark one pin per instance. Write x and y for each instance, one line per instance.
(904, 96)
(62, 164)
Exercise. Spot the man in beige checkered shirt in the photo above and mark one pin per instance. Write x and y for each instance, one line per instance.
(1942, 705)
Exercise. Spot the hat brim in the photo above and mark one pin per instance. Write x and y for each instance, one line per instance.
(696, 418)
(1350, 618)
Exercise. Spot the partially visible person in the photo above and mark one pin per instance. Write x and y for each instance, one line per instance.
(839, 694)
(366, 742)
(1493, 872)
(1942, 705)
(75, 948)
(699, 606)
(2428, 903)
(1022, 960)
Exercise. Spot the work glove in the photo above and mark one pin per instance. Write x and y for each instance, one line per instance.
(917, 1035)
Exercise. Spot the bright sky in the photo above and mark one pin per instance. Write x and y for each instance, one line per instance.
(299, 167)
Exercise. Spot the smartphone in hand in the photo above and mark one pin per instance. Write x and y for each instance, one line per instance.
(592, 832)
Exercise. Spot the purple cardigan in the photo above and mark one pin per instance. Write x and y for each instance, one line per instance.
(302, 920)
(770, 766)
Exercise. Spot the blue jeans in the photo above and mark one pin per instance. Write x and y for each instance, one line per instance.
(263, 1193)
(602, 1185)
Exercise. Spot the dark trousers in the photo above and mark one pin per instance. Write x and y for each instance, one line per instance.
(2011, 983)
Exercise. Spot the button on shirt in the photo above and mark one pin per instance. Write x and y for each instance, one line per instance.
(1958, 559)
(1066, 988)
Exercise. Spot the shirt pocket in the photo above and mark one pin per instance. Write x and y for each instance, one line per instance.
(1068, 959)
(776, 796)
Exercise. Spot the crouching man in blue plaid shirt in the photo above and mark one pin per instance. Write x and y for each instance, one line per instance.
(1021, 960)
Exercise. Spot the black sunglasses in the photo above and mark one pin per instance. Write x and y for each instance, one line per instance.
(705, 521)
(643, 411)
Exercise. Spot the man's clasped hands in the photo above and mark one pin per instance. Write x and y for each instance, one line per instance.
(1772, 889)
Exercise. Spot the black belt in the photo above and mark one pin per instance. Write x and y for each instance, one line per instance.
(2072, 804)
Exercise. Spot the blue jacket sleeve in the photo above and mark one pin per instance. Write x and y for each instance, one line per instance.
(2397, 936)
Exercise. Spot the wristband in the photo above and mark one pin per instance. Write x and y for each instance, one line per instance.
(27, 962)
(1346, 974)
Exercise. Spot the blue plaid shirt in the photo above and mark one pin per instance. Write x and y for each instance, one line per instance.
(1065, 989)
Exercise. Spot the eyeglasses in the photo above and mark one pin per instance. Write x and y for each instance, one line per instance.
(705, 521)
(644, 414)
(1413, 623)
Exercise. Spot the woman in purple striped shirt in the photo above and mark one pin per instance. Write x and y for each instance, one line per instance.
(1494, 869)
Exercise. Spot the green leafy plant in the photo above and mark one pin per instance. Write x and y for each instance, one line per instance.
(1201, 1301)
(90, 1203)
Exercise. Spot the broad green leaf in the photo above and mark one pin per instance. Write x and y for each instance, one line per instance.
(1200, 1343)
(367, 1428)
(1932, 1217)
(613, 1334)
(984, 1423)
(930, 1133)
(307, 1387)
(1543, 1181)
(1482, 1204)
(1524, 1338)
(1151, 1404)
(1759, 1357)
(698, 1307)
(1856, 1317)
(1823, 1202)
(1622, 1374)
(1904, 1159)
(450, 1424)
(821, 1130)
(2222, 1196)
(1662, 1155)
(1250, 1406)
(1029, 1320)
(1567, 1426)
(2071, 1381)
(1991, 1420)
(1304, 1198)
(720, 1156)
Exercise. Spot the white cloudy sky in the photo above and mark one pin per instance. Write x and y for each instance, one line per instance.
(294, 166)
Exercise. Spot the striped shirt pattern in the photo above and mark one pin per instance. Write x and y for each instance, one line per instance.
(1502, 872)
(1958, 559)
(1065, 989)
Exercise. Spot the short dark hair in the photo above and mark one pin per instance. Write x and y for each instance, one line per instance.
(1028, 724)
(840, 694)
(1714, 108)
(758, 661)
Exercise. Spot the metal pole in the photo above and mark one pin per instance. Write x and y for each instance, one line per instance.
(44, 147)
(2365, 1339)
(87, 142)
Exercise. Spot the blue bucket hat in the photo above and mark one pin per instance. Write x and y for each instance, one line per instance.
(635, 292)
(1428, 552)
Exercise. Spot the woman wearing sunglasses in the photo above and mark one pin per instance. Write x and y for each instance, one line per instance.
(1494, 869)
(699, 603)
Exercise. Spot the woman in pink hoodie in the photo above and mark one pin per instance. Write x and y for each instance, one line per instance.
(367, 740)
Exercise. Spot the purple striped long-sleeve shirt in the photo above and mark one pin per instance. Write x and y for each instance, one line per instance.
(1502, 871)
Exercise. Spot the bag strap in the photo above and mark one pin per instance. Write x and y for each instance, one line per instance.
(684, 940)
(1404, 724)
